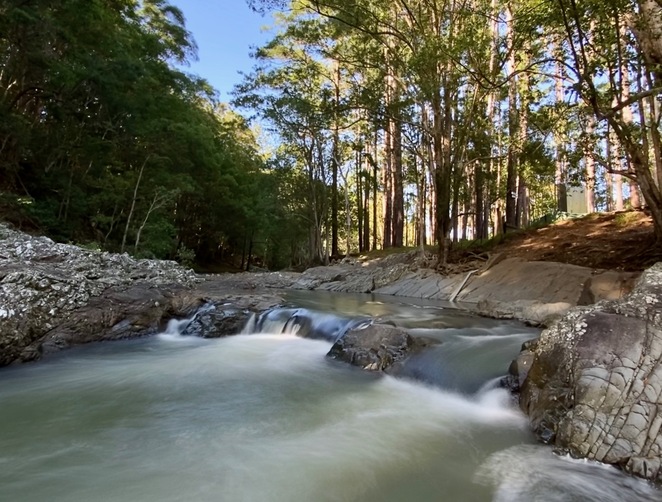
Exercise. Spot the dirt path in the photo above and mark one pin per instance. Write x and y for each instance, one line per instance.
(616, 241)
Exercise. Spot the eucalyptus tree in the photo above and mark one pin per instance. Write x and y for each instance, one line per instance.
(601, 61)
(287, 90)
(468, 89)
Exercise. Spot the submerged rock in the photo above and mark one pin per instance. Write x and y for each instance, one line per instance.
(594, 388)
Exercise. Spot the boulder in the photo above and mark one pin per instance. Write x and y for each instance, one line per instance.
(594, 388)
(377, 347)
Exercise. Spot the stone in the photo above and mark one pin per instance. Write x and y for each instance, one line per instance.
(55, 295)
(377, 347)
(228, 315)
(594, 388)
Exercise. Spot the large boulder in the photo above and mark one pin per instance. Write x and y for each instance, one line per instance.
(594, 388)
(377, 347)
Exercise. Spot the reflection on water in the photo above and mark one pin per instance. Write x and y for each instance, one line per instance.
(266, 417)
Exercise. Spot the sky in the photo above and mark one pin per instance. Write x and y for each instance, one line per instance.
(225, 31)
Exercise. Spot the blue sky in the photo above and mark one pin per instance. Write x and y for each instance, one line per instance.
(225, 31)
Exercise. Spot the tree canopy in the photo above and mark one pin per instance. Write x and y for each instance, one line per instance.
(404, 123)
(103, 140)
(469, 117)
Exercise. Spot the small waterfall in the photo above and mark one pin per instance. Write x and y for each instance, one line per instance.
(465, 360)
(304, 323)
(175, 327)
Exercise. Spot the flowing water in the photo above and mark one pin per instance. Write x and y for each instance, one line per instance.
(264, 416)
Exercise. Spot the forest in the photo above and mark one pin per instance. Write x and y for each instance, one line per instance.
(409, 123)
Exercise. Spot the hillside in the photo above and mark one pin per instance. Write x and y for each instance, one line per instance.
(618, 240)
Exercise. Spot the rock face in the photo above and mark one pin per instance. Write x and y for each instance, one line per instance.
(57, 295)
(594, 388)
(515, 289)
(377, 347)
(42, 283)
(351, 276)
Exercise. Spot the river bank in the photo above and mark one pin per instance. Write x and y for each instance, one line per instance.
(54, 296)
(57, 295)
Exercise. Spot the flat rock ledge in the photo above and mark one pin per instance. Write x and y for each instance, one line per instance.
(593, 386)
(505, 288)
(55, 295)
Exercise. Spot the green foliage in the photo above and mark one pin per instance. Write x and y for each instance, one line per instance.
(108, 141)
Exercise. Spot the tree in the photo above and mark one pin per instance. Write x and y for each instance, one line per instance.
(596, 47)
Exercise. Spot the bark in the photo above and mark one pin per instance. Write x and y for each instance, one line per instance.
(374, 194)
(359, 199)
(589, 156)
(560, 163)
(398, 220)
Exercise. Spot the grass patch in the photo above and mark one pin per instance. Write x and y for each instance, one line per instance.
(626, 218)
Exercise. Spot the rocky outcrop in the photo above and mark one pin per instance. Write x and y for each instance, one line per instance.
(377, 347)
(594, 388)
(57, 295)
(42, 283)
(505, 288)
(537, 292)
(353, 276)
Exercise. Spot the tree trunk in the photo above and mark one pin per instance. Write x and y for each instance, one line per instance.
(589, 156)
(398, 190)
(560, 157)
(133, 205)
(359, 199)
(335, 160)
(374, 194)
(387, 189)
(513, 130)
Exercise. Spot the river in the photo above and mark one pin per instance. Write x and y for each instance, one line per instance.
(265, 416)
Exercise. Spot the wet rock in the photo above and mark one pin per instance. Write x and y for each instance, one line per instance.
(116, 314)
(217, 323)
(595, 384)
(519, 368)
(377, 347)
(228, 316)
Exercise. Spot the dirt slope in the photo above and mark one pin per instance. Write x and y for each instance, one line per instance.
(617, 241)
